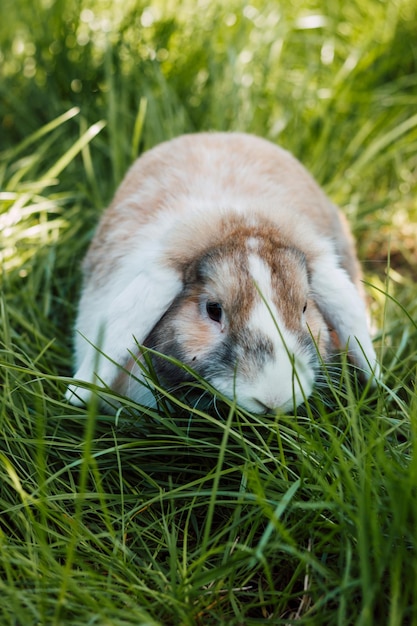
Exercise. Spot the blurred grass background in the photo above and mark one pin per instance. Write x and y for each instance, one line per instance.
(190, 518)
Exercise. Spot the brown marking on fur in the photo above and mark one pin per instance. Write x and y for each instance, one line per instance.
(290, 287)
(229, 282)
(170, 176)
(229, 264)
(289, 281)
(196, 334)
(222, 276)
(228, 232)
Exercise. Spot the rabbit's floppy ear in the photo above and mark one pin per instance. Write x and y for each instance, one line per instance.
(344, 310)
(128, 321)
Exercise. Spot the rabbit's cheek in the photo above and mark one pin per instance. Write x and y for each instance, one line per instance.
(197, 336)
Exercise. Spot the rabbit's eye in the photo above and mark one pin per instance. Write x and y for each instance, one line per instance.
(214, 311)
(305, 307)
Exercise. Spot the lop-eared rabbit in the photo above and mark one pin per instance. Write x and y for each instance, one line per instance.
(219, 249)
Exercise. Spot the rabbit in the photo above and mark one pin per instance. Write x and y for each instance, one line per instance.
(221, 250)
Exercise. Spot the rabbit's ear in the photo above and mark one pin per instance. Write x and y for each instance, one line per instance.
(128, 321)
(344, 311)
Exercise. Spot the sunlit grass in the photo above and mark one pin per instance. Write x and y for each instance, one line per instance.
(180, 515)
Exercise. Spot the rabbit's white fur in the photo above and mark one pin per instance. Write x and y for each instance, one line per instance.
(246, 217)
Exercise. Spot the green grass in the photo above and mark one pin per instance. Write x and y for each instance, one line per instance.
(176, 516)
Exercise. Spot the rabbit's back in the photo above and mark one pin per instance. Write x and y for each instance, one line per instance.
(211, 173)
